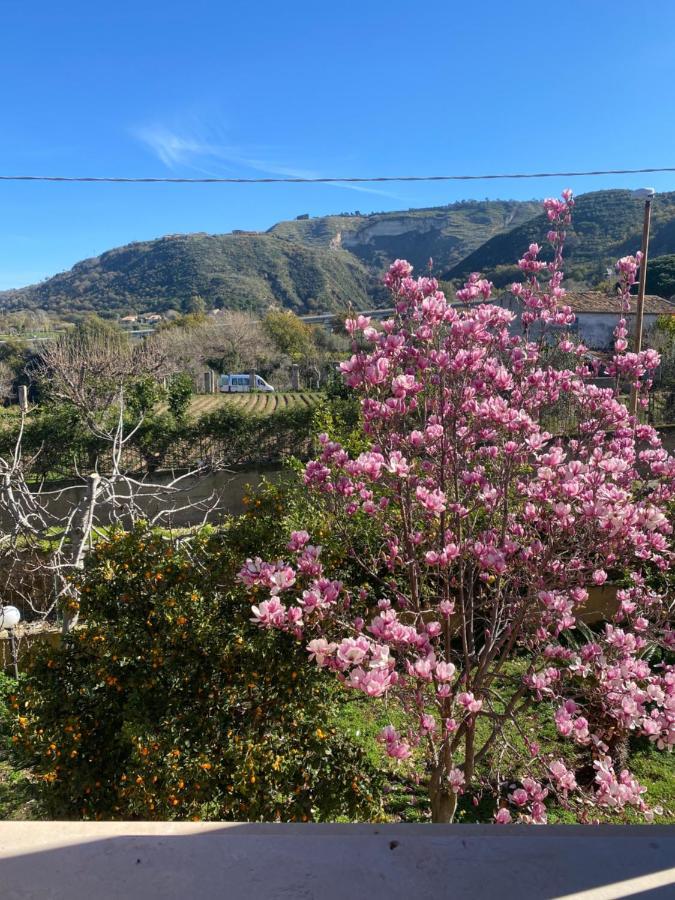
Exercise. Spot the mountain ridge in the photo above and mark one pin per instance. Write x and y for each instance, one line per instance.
(327, 263)
(448, 232)
(605, 226)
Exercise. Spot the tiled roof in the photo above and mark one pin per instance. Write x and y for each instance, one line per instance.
(596, 301)
(599, 302)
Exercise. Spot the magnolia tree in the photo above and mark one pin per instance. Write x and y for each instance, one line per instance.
(491, 530)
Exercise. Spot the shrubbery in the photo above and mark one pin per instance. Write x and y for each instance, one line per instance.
(238, 437)
(7, 689)
(62, 444)
(168, 703)
(56, 439)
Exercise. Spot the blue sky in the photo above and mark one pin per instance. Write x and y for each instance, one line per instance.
(376, 87)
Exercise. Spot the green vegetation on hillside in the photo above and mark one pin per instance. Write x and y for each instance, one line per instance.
(306, 265)
(661, 276)
(235, 271)
(606, 225)
(319, 231)
(444, 233)
(329, 263)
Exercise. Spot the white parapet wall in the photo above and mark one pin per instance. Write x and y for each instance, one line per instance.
(144, 861)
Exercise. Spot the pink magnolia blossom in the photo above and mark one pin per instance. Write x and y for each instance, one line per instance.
(562, 777)
(444, 671)
(486, 528)
(396, 747)
(433, 501)
(456, 780)
(469, 702)
(270, 613)
(298, 540)
(320, 650)
(519, 797)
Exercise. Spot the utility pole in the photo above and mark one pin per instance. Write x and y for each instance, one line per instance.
(646, 194)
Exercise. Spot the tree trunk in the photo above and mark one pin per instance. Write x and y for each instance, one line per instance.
(619, 751)
(443, 800)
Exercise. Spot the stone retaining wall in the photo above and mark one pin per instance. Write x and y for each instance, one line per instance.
(28, 641)
(602, 603)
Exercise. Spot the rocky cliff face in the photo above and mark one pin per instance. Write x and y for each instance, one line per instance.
(447, 234)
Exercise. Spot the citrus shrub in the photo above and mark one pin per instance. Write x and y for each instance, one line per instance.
(168, 703)
(7, 692)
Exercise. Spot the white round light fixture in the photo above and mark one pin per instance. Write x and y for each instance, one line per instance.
(9, 617)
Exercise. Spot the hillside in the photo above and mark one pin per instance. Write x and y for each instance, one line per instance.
(445, 233)
(237, 271)
(606, 225)
(325, 263)
(661, 276)
(306, 265)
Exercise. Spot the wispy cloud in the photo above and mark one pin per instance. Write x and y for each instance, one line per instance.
(176, 150)
(205, 153)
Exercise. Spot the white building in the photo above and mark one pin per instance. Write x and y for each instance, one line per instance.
(597, 314)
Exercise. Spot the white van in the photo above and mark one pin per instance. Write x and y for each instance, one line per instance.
(232, 384)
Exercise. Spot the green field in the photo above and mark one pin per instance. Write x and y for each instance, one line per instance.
(260, 403)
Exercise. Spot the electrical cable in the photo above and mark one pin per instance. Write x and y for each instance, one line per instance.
(332, 180)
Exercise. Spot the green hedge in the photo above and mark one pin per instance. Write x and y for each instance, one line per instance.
(63, 445)
(240, 437)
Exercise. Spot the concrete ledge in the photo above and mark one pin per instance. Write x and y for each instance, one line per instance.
(130, 860)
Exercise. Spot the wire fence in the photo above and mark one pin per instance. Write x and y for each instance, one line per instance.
(227, 438)
(563, 417)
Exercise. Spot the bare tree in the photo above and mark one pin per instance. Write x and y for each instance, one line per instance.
(89, 368)
(230, 342)
(239, 341)
(47, 533)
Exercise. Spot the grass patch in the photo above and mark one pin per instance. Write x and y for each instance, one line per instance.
(406, 798)
(257, 402)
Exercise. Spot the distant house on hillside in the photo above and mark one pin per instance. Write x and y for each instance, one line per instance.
(597, 314)
(152, 318)
(129, 320)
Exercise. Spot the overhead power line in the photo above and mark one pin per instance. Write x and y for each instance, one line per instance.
(334, 180)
